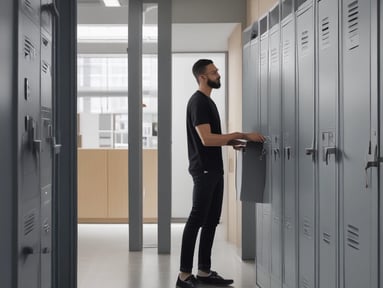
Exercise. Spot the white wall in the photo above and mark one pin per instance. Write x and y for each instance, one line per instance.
(184, 85)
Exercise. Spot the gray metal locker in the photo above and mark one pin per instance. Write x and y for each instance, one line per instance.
(359, 145)
(250, 122)
(263, 238)
(306, 143)
(276, 147)
(328, 168)
(251, 180)
(29, 148)
(35, 143)
(290, 262)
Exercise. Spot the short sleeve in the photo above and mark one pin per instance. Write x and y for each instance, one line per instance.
(200, 112)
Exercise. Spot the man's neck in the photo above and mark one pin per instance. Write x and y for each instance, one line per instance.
(205, 90)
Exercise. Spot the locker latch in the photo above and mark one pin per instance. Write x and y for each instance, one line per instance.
(373, 160)
(326, 153)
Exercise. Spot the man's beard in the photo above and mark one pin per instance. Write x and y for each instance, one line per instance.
(214, 85)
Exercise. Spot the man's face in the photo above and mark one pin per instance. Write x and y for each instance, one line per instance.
(213, 77)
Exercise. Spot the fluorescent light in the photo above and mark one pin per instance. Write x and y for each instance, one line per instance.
(112, 3)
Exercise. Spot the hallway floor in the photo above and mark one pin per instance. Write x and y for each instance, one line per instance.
(104, 259)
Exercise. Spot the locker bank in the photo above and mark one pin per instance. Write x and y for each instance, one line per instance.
(304, 208)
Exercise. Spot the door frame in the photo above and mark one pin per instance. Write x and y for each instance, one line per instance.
(65, 203)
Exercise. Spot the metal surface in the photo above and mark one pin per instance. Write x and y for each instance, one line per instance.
(360, 189)
(306, 140)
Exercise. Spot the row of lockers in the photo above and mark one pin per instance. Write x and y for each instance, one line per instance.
(310, 83)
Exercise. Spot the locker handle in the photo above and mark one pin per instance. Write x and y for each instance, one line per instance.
(51, 8)
(55, 147)
(31, 129)
(311, 151)
(288, 152)
(326, 153)
(276, 153)
(27, 251)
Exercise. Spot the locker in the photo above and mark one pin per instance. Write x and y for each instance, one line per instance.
(306, 143)
(263, 246)
(289, 146)
(276, 147)
(35, 145)
(359, 185)
(328, 170)
(29, 152)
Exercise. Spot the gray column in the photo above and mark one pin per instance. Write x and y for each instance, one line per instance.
(164, 125)
(135, 124)
(8, 158)
(65, 204)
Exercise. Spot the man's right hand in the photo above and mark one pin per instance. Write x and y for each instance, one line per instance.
(255, 137)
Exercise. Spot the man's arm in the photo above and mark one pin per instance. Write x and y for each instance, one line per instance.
(210, 139)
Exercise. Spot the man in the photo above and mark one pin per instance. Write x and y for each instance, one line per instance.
(205, 139)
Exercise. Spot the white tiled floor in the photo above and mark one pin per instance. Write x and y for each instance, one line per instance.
(104, 260)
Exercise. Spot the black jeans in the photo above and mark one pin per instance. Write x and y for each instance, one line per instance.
(205, 213)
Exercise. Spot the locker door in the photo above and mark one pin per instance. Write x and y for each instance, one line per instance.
(263, 239)
(306, 144)
(276, 157)
(46, 125)
(29, 149)
(360, 189)
(327, 35)
(289, 152)
(49, 147)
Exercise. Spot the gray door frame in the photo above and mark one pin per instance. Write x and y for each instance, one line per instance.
(65, 209)
(65, 204)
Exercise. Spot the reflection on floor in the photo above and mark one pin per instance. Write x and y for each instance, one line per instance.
(104, 260)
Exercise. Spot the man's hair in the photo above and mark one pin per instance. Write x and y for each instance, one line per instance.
(199, 67)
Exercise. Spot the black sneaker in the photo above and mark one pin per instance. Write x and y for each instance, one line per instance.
(214, 279)
(189, 282)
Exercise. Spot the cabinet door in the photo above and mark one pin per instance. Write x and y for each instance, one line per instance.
(328, 168)
(92, 184)
(289, 153)
(360, 189)
(306, 145)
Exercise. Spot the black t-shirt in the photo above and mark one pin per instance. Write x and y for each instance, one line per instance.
(202, 110)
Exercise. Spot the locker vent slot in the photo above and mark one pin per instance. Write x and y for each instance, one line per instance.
(353, 237)
(325, 33)
(286, 51)
(305, 40)
(45, 67)
(326, 238)
(305, 283)
(28, 5)
(274, 56)
(45, 41)
(29, 48)
(307, 228)
(353, 25)
(263, 59)
(29, 223)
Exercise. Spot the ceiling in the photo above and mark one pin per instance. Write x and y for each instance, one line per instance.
(186, 37)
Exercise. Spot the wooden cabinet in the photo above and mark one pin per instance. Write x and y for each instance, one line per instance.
(92, 184)
(103, 185)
